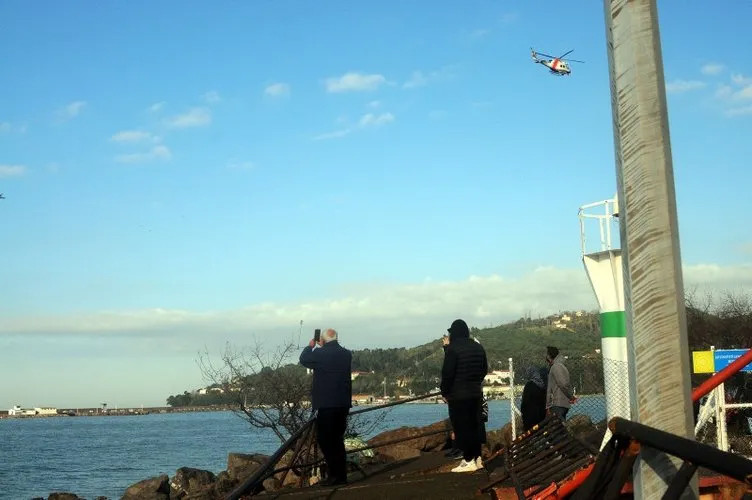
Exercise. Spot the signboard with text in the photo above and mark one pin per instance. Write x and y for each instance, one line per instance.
(715, 361)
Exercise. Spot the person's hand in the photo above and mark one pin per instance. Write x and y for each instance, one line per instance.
(445, 399)
(573, 400)
(445, 340)
(311, 343)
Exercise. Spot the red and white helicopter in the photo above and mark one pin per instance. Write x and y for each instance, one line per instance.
(557, 65)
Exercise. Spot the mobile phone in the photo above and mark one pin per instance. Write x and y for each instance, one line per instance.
(317, 334)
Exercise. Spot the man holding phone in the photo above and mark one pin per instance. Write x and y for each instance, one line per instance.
(331, 397)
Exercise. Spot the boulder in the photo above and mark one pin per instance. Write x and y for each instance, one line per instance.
(190, 482)
(63, 496)
(425, 443)
(224, 484)
(155, 488)
(396, 452)
(242, 465)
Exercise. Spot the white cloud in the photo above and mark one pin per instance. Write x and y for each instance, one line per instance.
(241, 165)
(195, 117)
(354, 82)
(479, 33)
(724, 91)
(374, 104)
(684, 85)
(131, 136)
(417, 79)
(421, 79)
(372, 120)
(739, 111)
(337, 134)
(740, 79)
(212, 97)
(278, 89)
(369, 315)
(712, 69)
(157, 106)
(745, 93)
(12, 170)
(71, 110)
(158, 152)
(368, 120)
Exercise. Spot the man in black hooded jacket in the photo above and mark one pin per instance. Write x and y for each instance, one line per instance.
(465, 366)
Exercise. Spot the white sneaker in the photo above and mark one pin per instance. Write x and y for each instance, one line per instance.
(478, 462)
(466, 466)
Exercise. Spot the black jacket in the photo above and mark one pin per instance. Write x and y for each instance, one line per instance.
(533, 405)
(332, 385)
(465, 365)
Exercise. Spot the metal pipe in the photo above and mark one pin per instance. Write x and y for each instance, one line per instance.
(722, 376)
(700, 454)
(394, 403)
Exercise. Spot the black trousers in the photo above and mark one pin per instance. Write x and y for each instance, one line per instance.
(330, 435)
(466, 422)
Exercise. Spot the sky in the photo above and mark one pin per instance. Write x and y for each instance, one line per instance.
(182, 177)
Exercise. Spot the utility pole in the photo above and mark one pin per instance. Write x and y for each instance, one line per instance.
(655, 318)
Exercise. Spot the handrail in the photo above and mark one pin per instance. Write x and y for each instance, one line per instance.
(395, 403)
(264, 471)
(723, 375)
(699, 454)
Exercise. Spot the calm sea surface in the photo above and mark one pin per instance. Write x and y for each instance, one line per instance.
(92, 456)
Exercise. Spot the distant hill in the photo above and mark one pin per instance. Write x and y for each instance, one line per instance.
(725, 324)
(525, 340)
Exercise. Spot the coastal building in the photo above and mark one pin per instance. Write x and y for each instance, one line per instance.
(17, 411)
(356, 374)
(45, 411)
(497, 377)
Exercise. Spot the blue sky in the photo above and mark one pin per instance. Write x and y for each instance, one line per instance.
(181, 176)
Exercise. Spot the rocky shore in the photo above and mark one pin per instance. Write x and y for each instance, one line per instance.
(197, 484)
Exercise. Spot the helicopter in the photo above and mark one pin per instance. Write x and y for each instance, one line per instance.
(557, 65)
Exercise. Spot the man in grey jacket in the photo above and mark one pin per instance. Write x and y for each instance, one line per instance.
(559, 395)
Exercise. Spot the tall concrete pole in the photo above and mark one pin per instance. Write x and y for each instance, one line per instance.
(653, 287)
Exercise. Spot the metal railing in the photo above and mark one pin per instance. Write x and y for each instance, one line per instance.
(297, 442)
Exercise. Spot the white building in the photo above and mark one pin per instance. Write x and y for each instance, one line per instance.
(46, 411)
(17, 411)
(498, 377)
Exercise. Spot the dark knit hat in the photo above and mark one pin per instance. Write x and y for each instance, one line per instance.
(459, 329)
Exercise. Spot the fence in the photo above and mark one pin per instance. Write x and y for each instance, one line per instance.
(723, 417)
(588, 376)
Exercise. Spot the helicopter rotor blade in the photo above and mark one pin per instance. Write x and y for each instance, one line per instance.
(565, 54)
(545, 55)
(572, 60)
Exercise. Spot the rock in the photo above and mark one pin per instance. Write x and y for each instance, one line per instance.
(579, 424)
(224, 484)
(291, 478)
(425, 443)
(155, 488)
(398, 452)
(63, 496)
(242, 465)
(271, 484)
(190, 482)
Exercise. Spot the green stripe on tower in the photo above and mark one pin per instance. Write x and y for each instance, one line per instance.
(613, 324)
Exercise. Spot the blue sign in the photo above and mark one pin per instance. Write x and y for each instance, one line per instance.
(724, 357)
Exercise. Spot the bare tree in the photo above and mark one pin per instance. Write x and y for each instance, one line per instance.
(270, 389)
(265, 386)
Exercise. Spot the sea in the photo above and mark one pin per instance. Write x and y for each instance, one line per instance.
(101, 456)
